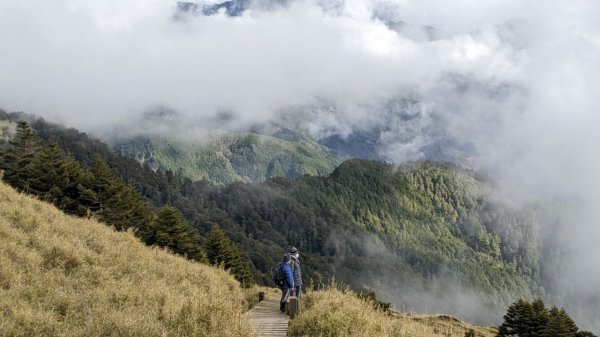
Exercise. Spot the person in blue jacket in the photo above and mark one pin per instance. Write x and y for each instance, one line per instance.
(288, 284)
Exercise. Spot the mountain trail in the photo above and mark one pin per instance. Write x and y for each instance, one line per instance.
(267, 320)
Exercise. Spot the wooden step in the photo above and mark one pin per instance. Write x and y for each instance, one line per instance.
(268, 321)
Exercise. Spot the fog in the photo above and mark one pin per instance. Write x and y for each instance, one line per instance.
(509, 88)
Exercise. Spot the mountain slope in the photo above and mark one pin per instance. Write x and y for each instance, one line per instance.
(61, 275)
(72, 277)
(232, 157)
(425, 236)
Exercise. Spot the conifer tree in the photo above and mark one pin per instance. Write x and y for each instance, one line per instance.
(570, 326)
(126, 209)
(138, 213)
(240, 268)
(172, 231)
(59, 180)
(585, 334)
(218, 248)
(44, 171)
(539, 318)
(517, 320)
(115, 202)
(46, 174)
(560, 324)
(554, 326)
(534, 320)
(77, 198)
(17, 159)
(102, 184)
(221, 251)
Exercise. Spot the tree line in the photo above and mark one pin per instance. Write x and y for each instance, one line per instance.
(533, 319)
(44, 170)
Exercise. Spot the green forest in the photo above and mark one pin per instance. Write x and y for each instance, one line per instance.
(368, 220)
(249, 157)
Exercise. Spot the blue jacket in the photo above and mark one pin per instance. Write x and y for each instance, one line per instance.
(288, 276)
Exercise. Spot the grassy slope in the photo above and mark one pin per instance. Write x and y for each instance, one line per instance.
(339, 313)
(235, 157)
(64, 276)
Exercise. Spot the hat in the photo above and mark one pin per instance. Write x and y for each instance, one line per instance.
(293, 250)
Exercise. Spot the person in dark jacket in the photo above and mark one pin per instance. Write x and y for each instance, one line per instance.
(288, 284)
(296, 271)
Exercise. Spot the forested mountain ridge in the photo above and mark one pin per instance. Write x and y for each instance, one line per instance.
(382, 228)
(421, 229)
(248, 157)
(97, 281)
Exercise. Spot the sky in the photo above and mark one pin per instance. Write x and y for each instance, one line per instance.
(514, 82)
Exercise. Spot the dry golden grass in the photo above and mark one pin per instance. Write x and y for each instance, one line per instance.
(64, 276)
(337, 312)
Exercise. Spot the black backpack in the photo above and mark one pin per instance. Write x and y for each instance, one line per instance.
(277, 274)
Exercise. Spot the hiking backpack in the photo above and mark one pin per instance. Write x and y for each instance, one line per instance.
(277, 274)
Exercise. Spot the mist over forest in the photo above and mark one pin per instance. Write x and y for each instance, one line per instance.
(506, 89)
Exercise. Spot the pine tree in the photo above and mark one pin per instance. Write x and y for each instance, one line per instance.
(17, 159)
(559, 324)
(77, 198)
(172, 231)
(240, 268)
(535, 320)
(44, 171)
(220, 251)
(101, 182)
(116, 203)
(59, 180)
(554, 326)
(570, 326)
(139, 215)
(539, 318)
(127, 209)
(218, 248)
(46, 174)
(517, 321)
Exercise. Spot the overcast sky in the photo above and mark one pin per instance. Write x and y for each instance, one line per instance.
(516, 80)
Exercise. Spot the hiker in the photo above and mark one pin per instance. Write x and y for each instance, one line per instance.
(296, 271)
(288, 282)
